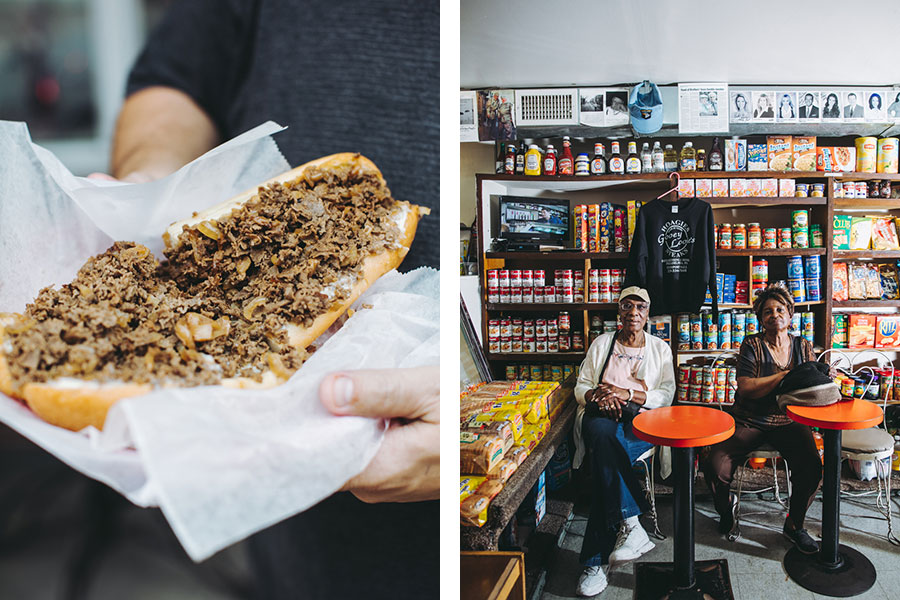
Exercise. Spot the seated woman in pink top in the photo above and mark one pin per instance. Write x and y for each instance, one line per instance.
(623, 373)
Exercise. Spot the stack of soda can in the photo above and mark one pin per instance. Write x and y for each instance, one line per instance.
(604, 285)
(804, 278)
(531, 372)
(515, 335)
(702, 332)
(706, 384)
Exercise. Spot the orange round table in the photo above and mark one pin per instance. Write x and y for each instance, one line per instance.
(835, 570)
(683, 428)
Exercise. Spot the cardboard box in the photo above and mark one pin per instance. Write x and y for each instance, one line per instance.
(753, 188)
(737, 188)
(735, 155)
(844, 159)
(703, 188)
(787, 188)
(862, 331)
(841, 240)
(720, 188)
(768, 188)
(780, 152)
(804, 153)
(685, 188)
(887, 331)
(825, 158)
(757, 157)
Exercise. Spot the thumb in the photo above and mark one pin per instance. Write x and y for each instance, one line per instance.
(385, 393)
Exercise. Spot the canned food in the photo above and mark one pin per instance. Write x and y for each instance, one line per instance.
(684, 375)
(874, 189)
(517, 328)
(515, 295)
(818, 190)
(552, 328)
(682, 394)
(721, 395)
(754, 236)
(609, 327)
(493, 279)
(721, 376)
(696, 376)
(556, 373)
(540, 328)
(770, 237)
(537, 278)
(866, 154)
(707, 394)
(568, 294)
(494, 346)
(552, 344)
(528, 344)
(565, 343)
(752, 327)
(538, 294)
(816, 239)
(795, 267)
(801, 238)
(838, 188)
(494, 295)
(885, 188)
(527, 278)
(813, 289)
(694, 394)
(515, 278)
(503, 278)
(759, 271)
(800, 218)
(564, 322)
(567, 278)
(506, 328)
(535, 372)
(887, 158)
(527, 295)
(540, 344)
(683, 321)
(528, 328)
(577, 341)
(510, 372)
(506, 345)
(784, 239)
(862, 189)
(493, 329)
(801, 190)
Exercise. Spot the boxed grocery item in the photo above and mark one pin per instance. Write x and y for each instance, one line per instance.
(840, 282)
(860, 233)
(804, 152)
(757, 157)
(825, 158)
(890, 286)
(873, 282)
(841, 239)
(735, 154)
(780, 152)
(768, 188)
(887, 331)
(884, 234)
(685, 188)
(753, 188)
(839, 332)
(703, 188)
(720, 188)
(862, 331)
(633, 207)
(857, 276)
(844, 159)
(787, 188)
(737, 188)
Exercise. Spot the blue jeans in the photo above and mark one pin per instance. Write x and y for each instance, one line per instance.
(616, 493)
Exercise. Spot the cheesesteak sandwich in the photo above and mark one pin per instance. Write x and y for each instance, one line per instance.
(245, 288)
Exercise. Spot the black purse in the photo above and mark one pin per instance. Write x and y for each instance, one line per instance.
(629, 411)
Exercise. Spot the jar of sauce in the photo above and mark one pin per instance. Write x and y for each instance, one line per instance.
(725, 236)
(754, 236)
(770, 238)
(739, 237)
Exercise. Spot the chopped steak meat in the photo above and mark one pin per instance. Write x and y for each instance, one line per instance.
(219, 305)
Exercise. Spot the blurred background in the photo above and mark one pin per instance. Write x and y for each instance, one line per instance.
(63, 65)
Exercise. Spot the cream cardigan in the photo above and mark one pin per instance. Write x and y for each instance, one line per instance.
(656, 371)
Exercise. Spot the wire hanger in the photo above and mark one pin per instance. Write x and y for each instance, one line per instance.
(675, 178)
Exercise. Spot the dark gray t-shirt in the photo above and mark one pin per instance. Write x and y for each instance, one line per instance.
(343, 76)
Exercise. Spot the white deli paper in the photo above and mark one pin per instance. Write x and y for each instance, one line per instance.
(221, 464)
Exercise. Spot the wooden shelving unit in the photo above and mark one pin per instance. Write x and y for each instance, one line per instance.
(645, 187)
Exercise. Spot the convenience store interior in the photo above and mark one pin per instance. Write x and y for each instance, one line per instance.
(666, 44)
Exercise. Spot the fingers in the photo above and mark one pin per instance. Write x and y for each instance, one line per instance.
(387, 393)
(102, 177)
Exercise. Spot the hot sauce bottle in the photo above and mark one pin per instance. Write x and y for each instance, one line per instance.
(566, 162)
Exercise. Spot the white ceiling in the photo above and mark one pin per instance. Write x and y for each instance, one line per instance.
(545, 43)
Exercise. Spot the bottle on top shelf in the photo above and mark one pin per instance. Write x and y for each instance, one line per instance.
(616, 162)
(520, 161)
(716, 160)
(633, 162)
(657, 158)
(670, 159)
(646, 159)
(688, 157)
(501, 155)
(566, 164)
(550, 161)
(533, 160)
(598, 163)
(509, 163)
(701, 159)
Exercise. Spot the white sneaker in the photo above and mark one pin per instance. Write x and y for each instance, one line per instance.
(591, 582)
(631, 542)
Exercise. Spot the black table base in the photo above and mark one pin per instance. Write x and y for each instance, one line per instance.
(836, 570)
(654, 581)
(853, 574)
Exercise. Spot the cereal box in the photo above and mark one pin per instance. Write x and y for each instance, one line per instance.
(703, 188)
(825, 158)
(841, 240)
(860, 233)
(737, 188)
(862, 331)
(720, 188)
(844, 159)
(757, 157)
(786, 188)
(753, 188)
(887, 331)
(780, 151)
(632, 206)
(804, 152)
(686, 188)
(768, 188)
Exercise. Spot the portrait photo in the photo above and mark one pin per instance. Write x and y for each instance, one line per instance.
(786, 109)
(617, 108)
(831, 106)
(875, 108)
(853, 106)
(763, 107)
(809, 106)
(739, 107)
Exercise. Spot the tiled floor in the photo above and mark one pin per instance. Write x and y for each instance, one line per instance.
(754, 560)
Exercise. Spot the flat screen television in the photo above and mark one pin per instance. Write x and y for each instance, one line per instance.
(535, 220)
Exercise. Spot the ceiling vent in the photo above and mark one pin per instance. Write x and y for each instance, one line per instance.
(546, 107)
